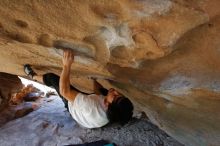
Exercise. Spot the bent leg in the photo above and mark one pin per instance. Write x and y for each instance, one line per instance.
(52, 80)
(48, 79)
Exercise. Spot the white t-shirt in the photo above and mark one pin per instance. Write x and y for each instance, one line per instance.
(88, 110)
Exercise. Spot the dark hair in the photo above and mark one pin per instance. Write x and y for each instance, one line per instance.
(120, 111)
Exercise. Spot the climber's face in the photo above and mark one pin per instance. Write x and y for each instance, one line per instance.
(112, 96)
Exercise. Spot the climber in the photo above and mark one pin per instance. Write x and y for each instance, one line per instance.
(89, 110)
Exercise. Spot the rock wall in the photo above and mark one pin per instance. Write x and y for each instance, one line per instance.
(9, 84)
(162, 54)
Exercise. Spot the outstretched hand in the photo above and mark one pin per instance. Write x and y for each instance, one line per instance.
(68, 57)
(64, 83)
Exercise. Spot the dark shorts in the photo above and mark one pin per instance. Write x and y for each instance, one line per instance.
(52, 80)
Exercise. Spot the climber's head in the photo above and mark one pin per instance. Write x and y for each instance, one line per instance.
(120, 108)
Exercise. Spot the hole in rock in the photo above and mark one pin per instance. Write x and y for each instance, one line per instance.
(42, 87)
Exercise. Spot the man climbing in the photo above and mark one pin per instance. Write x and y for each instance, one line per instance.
(90, 111)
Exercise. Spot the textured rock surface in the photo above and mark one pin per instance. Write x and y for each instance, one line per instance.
(163, 54)
(9, 84)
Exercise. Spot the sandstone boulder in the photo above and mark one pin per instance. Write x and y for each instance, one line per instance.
(162, 54)
(9, 84)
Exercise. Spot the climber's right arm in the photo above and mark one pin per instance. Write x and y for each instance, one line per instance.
(65, 90)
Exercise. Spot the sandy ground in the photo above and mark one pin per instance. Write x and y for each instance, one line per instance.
(52, 125)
